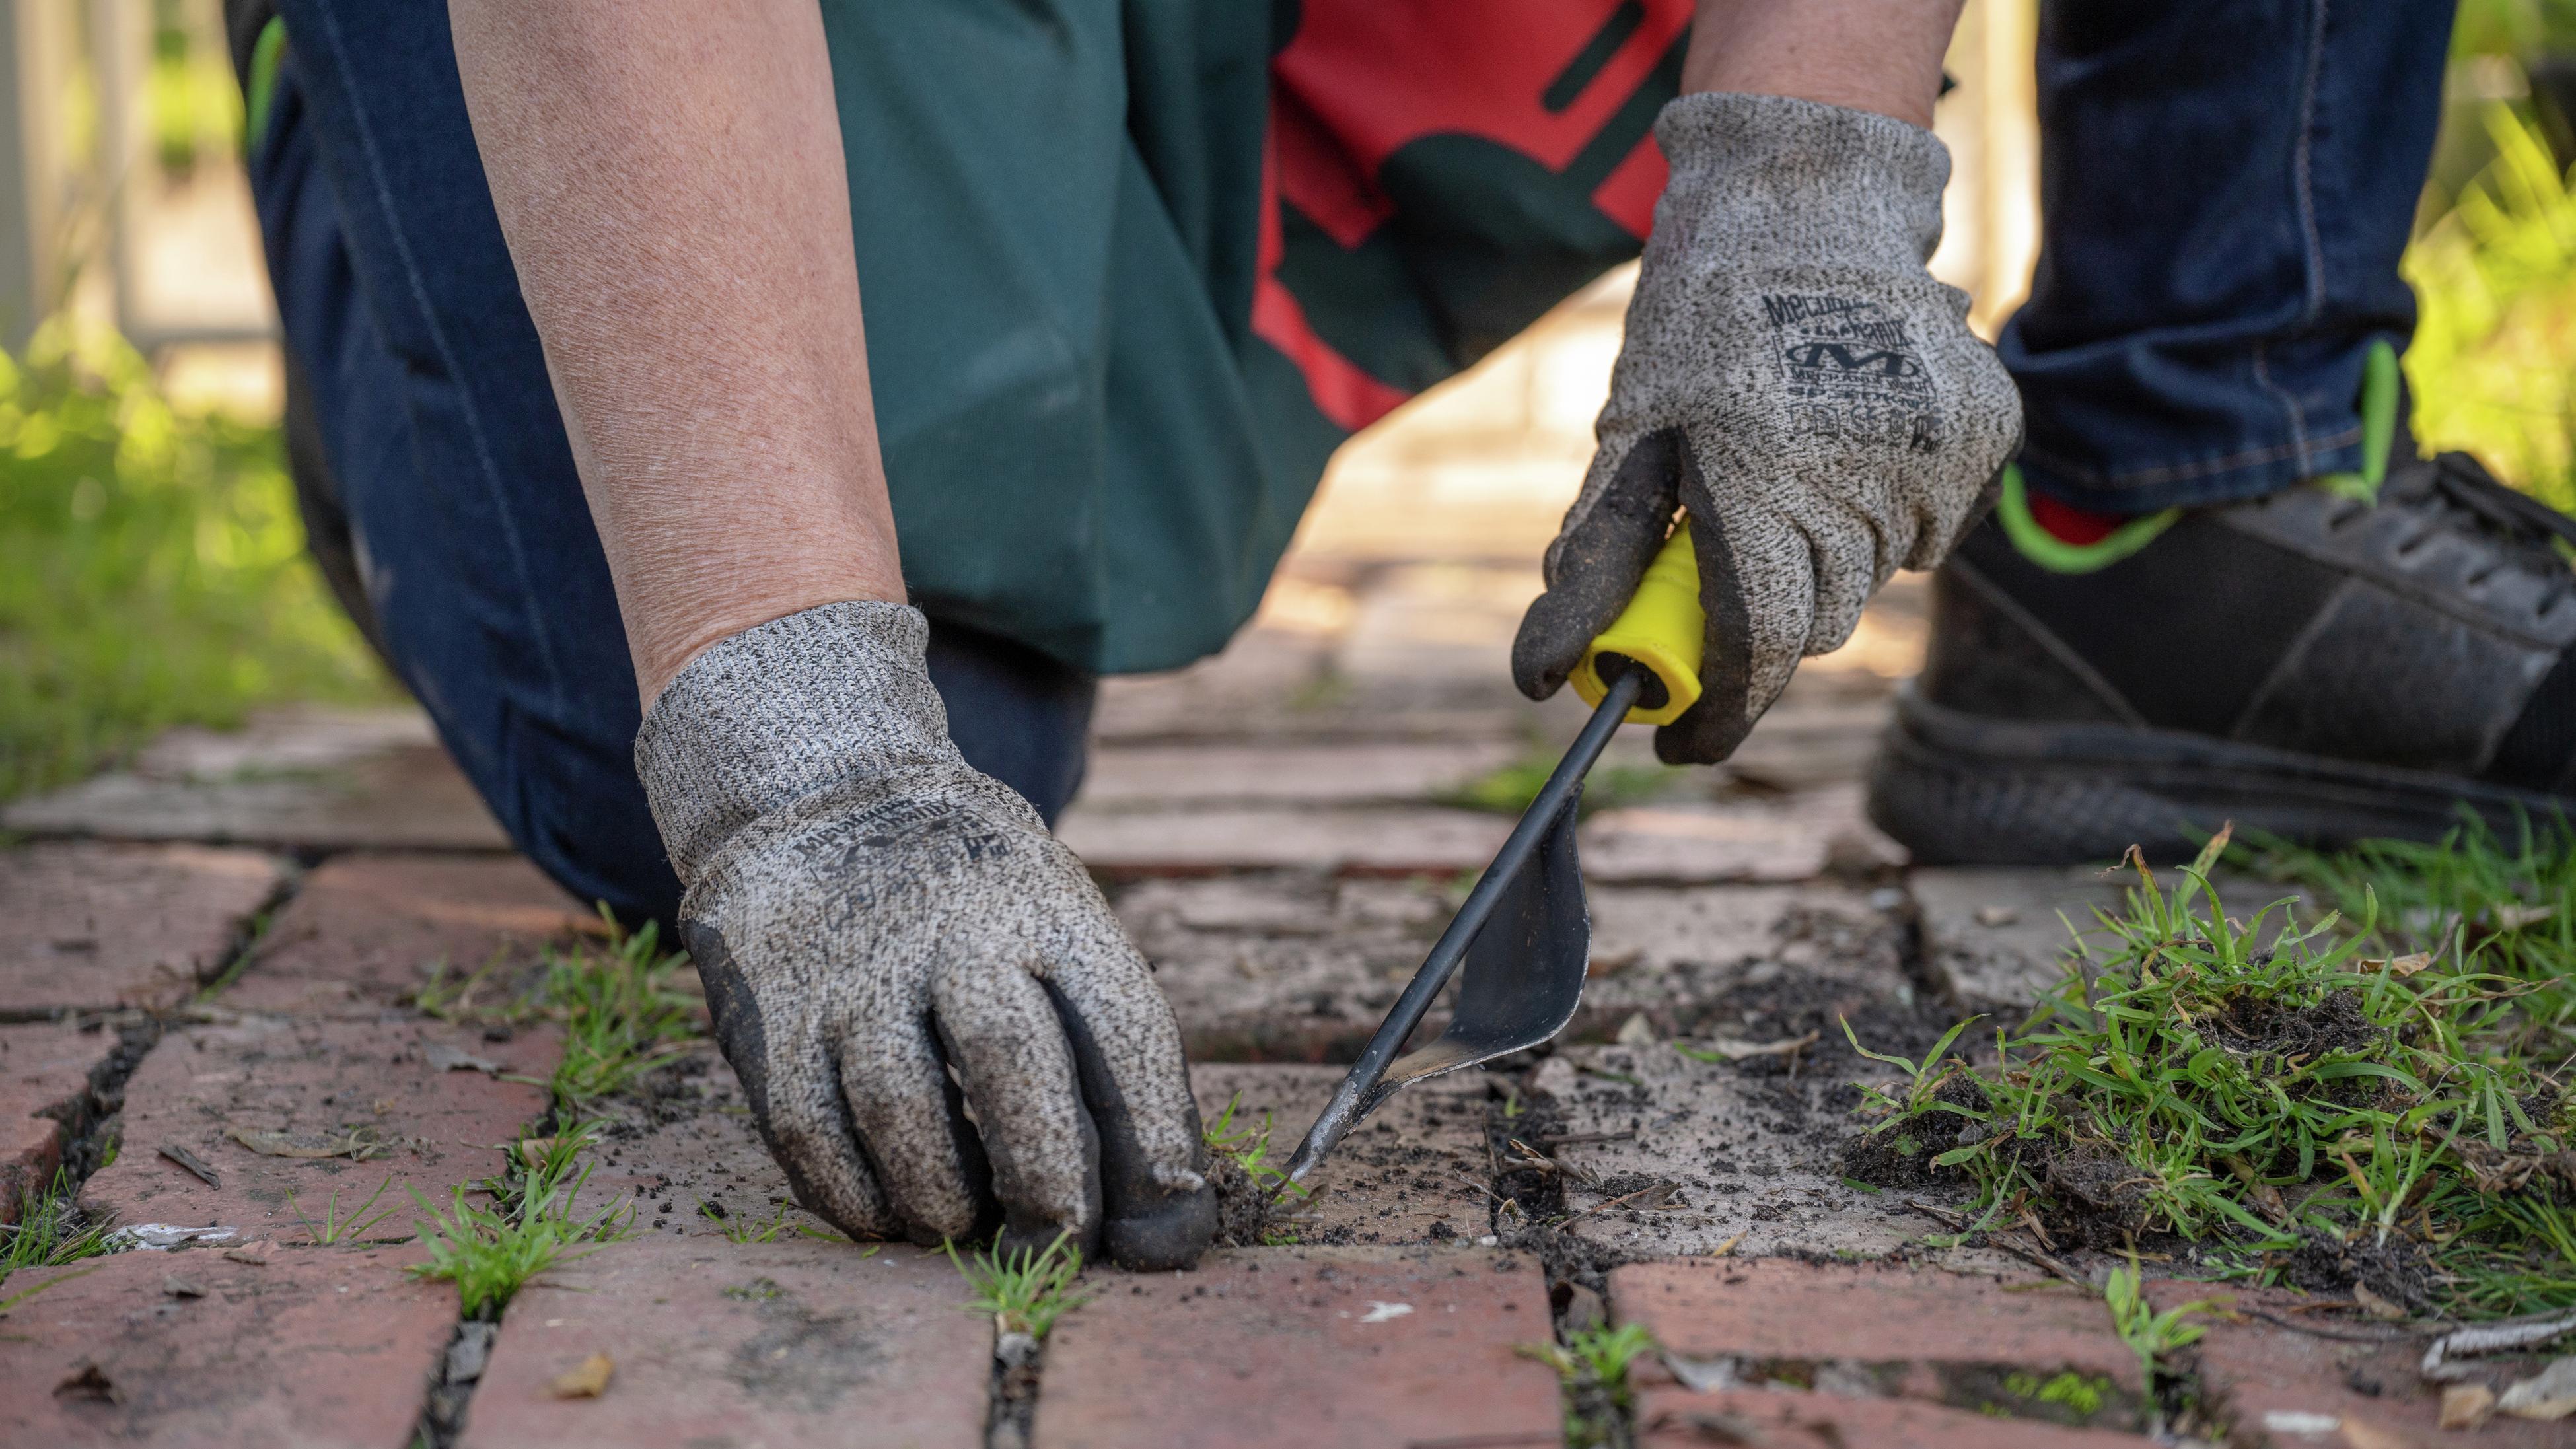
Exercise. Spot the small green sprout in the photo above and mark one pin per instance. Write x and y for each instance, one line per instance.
(1249, 1146)
(489, 1253)
(335, 1229)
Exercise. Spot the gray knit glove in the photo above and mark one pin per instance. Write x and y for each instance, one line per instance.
(1795, 379)
(872, 915)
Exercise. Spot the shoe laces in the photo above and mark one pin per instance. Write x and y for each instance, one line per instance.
(2457, 494)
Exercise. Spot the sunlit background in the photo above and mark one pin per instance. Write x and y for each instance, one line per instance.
(150, 564)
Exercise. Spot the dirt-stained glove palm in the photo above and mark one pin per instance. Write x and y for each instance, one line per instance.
(870, 913)
(1795, 379)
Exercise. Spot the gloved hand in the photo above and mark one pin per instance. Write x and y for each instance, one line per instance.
(1796, 380)
(869, 912)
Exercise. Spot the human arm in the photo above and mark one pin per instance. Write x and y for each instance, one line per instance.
(869, 912)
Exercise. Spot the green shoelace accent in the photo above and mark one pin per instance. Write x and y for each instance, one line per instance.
(265, 52)
(2379, 379)
(2057, 555)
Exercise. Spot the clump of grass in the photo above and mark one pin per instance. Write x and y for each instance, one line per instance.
(335, 1229)
(489, 1253)
(51, 1232)
(1592, 1364)
(622, 1016)
(1511, 789)
(1024, 1291)
(2258, 1093)
(1248, 1184)
(152, 567)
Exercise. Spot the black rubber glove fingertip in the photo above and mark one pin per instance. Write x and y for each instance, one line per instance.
(1169, 1233)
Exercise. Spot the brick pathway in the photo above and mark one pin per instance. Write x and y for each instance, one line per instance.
(1272, 830)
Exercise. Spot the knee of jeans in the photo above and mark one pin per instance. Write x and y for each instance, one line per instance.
(576, 809)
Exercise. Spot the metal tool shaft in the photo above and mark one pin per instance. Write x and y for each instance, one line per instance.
(1359, 1091)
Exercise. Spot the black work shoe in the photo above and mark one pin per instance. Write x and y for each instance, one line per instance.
(2312, 664)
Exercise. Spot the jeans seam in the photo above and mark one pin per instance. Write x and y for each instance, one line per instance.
(2185, 472)
(446, 354)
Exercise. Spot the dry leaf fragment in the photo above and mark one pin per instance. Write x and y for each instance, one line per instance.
(255, 1254)
(2375, 1305)
(587, 1380)
(2399, 965)
(1735, 1050)
(192, 1162)
(533, 1150)
(2466, 1406)
(444, 1058)
(1636, 1031)
(88, 1381)
(2362, 1434)
(355, 1143)
(2549, 1394)
(2514, 918)
(1992, 916)
(178, 1287)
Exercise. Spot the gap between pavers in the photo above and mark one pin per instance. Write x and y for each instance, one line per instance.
(1412, 1171)
(1306, 1348)
(315, 1350)
(420, 1088)
(364, 930)
(96, 926)
(48, 1073)
(1777, 1419)
(782, 1345)
(1878, 1331)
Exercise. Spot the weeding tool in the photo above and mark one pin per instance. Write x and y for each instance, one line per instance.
(1524, 937)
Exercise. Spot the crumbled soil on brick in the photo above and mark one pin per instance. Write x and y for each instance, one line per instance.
(2395, 1270)
(1901, 1157)
(1243, 1209)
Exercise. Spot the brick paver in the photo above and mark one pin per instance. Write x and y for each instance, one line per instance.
(685, 1143)
(1942, 1337)
(1774, 1419)
(1129, 776)
(1995, 939)
(310, 779)
(365, 930)
(315, 1350)
(1306, 1348)
(2305, 1388)
(392, 1083)
(774, 1344)
(94, 925)
(44, 1086)
(1411, 1172)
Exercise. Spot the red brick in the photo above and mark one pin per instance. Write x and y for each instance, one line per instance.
(777, 1344)
(441, 1126)
(688, 1142)
(95, 926)
(1264, 1347)
(1778, 1419)
(44, 1085)
(367, 929)
(318, 1349)
(2257, 1368)
(304, 778)
(1919, 1333)
(1412, 1164)
(1358, 771)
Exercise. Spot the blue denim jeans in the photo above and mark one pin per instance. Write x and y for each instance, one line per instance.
(2225, 189)
(475, 549)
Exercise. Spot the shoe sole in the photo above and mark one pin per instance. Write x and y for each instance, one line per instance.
(1961, 789)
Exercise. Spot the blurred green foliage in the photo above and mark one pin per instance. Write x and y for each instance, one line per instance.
(152, 567)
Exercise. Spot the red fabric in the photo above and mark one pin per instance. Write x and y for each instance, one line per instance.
(1362, 78)
(2069, 524)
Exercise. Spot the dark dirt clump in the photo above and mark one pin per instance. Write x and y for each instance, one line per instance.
(2273, 1027)
(1902, 1156)
(2095, 1195)
(2395, 1270)
(1243, 1207)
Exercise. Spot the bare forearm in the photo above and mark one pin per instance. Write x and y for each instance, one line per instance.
(1870, 55)
(669, 176)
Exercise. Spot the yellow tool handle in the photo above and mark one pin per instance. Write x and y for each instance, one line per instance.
(1663, 628)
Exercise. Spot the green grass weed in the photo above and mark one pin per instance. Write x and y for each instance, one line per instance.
(51, 1232)
(1024, 1291)
(530, 1225)
(1592, 1365)
(622, 1016)
(334, 1229)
